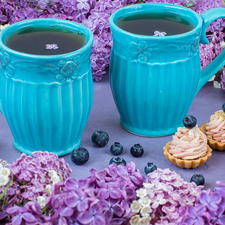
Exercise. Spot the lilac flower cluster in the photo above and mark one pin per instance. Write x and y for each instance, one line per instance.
(209, 207)
(102, 198)
(33, 177)
(164, 199)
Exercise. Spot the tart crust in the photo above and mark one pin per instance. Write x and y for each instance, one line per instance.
(212, 143)
(186, 163)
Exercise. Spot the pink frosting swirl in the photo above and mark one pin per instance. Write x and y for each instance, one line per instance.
(188, 143)
(215, 128)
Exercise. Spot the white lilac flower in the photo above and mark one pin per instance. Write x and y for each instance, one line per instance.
(145, 220)
(3, 180)
(41, 201)
(48, 189)
(141, 192)
(145, 201)
(212, 78)
(135, 220)
(4, 171)
(159, 200)
(3, 26)
(148, 186)
(222, 44)
(135, 206)
(52, 173)
(55, 179)
(216, 84)
(1, 166)
(145, 211)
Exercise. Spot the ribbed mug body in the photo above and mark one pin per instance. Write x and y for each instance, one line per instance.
(154, 79)
(47, 100)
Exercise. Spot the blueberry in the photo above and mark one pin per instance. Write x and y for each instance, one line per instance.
(198, 179)
(118, 161)
(223, 107)
(116, 148)
(150, 167)
(80, 156)
(190, 121)
(100, 138)
(137, 150)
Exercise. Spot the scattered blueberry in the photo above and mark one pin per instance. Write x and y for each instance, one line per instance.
(137, 150)
(190, 121)
(118, 161)
(80, 156)
(223, 107)
(100, 138)
(116, 148)
(150, 167)
(198, 179)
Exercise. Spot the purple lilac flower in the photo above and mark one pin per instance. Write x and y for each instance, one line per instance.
(159, 34)
(196, 215)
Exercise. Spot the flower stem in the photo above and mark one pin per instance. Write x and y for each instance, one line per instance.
(3, 193)
(44, 209)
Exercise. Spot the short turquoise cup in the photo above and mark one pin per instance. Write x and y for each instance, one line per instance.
(46, 99)
(155, 79)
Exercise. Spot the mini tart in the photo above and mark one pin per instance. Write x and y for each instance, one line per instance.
(212, 143)
(186, 163)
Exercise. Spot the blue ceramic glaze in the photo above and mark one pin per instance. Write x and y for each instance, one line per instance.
(46, 100)
(154, 79)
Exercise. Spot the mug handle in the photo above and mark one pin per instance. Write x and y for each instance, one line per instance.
(211, 69)
(0, 82)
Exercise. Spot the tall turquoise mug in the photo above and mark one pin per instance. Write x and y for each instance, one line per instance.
(46, 99)
(155, 79)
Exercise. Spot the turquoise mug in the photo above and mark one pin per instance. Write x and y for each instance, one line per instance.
(46, 99)
(155, 79)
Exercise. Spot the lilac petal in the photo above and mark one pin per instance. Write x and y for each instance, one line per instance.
(130, 192)
(85, 218)
(189, 221)
(99, 220)
(36, 208)
(108, 214)
(71, 183)
(215, 198)
(135, 180)
(191, 211)
(104, 204)
(13, 209)
(28, 217)
(103, 193)
(62, 221)
(55, 46)
(221, 219)
(115, 194)
(82, 183)
(82, 205)
(2, 215)
(17, 220)
(118, 210)
(116, 221)
(71, 201)
(199, 221)
(66, 212)
(212, 207)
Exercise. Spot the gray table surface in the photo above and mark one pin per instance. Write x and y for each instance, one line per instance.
(104, 116)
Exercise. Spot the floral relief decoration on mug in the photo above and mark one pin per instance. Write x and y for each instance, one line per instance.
(141, 52)
(68, 69)
(7, 64)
